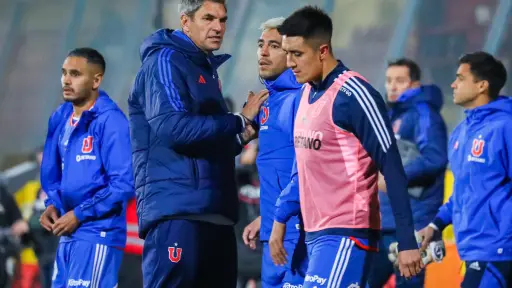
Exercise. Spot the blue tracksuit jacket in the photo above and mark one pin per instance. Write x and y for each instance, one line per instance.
(417, 121)
(95, 183)
(276, 151)
(480, 151)
(183, 139)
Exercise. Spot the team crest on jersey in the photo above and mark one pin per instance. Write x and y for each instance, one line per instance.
(396, 125)
(175, 253)
(478, 147)
(265, 114)
(87, 144)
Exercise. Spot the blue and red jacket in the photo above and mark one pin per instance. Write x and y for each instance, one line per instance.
(97, 179)
(480, 153)
(276, 152)
(418, 124)
(184, 141)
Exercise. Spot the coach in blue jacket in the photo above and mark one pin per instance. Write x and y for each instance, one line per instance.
(480, 151)
(422, 138)
(184, 143)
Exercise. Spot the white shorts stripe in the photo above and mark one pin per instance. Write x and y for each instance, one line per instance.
(102, 263)
(336, 261)
(344, 258)
(373, 107)
(95, 263)
(347, 259)
(371, 119)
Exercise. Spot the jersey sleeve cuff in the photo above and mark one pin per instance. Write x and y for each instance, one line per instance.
(79, 214)
(48, 202)
(439, 223)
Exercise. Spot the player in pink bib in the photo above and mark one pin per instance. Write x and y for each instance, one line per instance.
(343, 138)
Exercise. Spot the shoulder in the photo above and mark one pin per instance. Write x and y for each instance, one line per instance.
(357, 91)
(163, 61)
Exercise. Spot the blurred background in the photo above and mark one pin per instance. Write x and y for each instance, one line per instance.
(35, 36)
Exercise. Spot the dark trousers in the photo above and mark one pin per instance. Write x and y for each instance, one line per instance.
(382, 268)
(185, 253)
(130, 273)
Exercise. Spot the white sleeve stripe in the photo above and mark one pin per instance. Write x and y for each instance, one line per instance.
(374, 106)
(379, 137)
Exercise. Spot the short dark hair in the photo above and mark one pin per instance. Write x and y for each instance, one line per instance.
(484, 66)
(92, 56)
(414, 68)
(309, 22)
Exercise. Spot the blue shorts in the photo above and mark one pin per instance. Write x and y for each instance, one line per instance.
(83, 264)
(187, 253)
(480, 274)
(336, 261)
(290, 275)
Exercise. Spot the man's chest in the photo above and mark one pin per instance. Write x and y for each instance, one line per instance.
(204, 88)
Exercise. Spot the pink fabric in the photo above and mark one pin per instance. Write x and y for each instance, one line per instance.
(337, 177)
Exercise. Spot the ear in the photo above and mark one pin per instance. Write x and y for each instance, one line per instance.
(97, 80)
(324, 51)
(483, 86)
(184, 20)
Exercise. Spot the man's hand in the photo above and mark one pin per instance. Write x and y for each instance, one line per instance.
(251, 233)
(49, 217)
(66, 224)
(19, 228)
(426, 234)
(277, 251)
(254, 101)
(409, 263)
(249, 133)
(381, 183)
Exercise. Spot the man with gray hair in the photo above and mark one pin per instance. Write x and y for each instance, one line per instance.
(275, 160)
(184, 142)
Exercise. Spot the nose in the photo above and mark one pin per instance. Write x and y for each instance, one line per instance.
(264, 50)
(453, 85)
(217, 26)
(66, 80)
(289, 61)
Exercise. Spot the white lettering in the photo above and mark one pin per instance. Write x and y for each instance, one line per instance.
(475, 159)
(79, 282)
(315, 279)
(344, 90)
(289, 285)
(85, 157)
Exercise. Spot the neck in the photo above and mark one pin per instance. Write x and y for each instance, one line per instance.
(479, 101)
(78, 109)
(327, 66)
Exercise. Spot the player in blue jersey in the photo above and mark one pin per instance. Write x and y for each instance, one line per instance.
(480, 154)
(87, 174)
(275, 161)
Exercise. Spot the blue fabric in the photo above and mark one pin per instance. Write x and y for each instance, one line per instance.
(184, 253)
(85, 264)
(183, 139)
(336, 261)
(292, 273)
(416, 118)
(382, 268)
(276, 151)
(480, 153)
(97, 180)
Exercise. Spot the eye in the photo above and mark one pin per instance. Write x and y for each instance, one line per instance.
(297, 54)
(274, 46)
